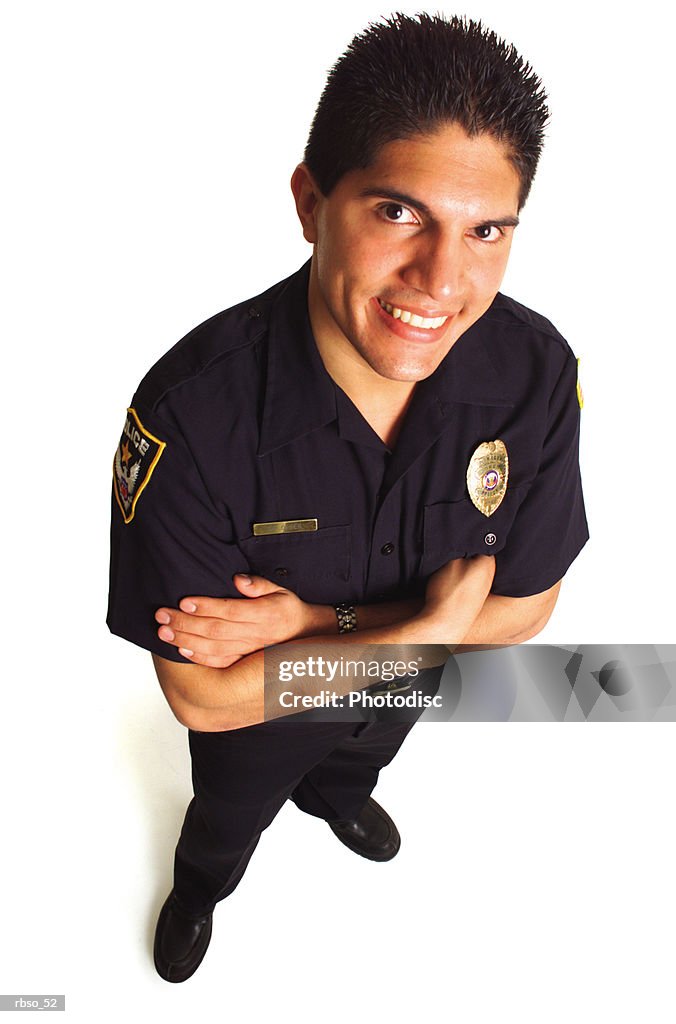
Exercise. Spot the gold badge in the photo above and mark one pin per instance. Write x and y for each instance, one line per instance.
(487, 476)
(284, 526)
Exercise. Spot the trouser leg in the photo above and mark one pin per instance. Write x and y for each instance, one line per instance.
(241, 779)
(338, 787)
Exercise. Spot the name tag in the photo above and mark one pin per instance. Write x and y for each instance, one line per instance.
(285, 526)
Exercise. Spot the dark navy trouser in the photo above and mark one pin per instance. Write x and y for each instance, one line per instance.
(242, 778)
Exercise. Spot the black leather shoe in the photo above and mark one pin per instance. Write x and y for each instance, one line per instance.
(180, 941)
(373, 834)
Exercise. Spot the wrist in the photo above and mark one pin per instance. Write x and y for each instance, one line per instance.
(318, 620)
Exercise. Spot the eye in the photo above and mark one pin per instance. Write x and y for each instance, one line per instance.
(395, 213)
(488, 233)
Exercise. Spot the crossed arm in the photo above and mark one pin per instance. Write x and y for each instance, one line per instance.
(225, 638)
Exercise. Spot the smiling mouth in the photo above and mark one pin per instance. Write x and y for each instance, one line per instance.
(413, 319)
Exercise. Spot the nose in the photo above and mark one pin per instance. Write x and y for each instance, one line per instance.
(437, 268)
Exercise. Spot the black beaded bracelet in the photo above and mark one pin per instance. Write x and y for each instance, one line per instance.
(347, 618)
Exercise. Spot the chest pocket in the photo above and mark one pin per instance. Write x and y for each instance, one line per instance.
(456, 529)
(313, 565)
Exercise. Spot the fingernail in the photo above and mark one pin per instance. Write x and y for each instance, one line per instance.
(163, 617)
(246, 580)
(185, 652)
(187, 606)
(165, 633)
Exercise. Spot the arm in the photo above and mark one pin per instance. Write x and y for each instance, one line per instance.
(211, 699)
(512, 620)
(217, 632)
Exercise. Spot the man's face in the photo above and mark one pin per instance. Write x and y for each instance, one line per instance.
(424, 232)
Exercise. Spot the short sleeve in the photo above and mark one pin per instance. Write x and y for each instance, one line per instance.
(168, 538)
(550, 528)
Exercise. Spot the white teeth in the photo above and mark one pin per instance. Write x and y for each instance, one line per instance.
(413, 319)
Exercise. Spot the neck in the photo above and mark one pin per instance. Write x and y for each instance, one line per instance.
(382, 402)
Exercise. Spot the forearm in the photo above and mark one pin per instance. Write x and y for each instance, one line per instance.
(219, 699)
(503, 621)
(211, 699)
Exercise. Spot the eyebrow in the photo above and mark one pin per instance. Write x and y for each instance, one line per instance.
(406, 200)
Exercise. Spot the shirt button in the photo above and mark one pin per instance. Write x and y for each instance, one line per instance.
(387, 549)
(490, 538)
(281, 571)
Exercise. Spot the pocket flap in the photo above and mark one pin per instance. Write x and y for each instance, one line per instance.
(291, 559)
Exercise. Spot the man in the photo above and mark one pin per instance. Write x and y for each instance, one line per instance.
(381, 448)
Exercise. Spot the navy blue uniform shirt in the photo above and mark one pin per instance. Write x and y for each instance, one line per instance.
(240, 423)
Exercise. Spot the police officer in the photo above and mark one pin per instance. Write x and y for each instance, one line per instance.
(380, 449)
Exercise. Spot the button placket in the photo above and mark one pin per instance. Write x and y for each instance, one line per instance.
(385, 570)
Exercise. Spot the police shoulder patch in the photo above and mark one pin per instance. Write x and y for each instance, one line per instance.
(135, 459)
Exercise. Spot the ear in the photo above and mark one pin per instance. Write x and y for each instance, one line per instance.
(306, 194)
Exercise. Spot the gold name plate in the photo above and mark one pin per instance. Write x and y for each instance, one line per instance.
(285, 526)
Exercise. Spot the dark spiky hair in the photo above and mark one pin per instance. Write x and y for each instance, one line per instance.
(407, 76)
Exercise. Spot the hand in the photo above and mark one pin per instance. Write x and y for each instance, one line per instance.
(218, 631)
(455, 595)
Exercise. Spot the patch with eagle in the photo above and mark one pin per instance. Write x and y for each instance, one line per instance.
(135, 459)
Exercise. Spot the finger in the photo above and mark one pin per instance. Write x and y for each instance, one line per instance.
(230, 608)
(210, 662)
(200, 645)
(255, 586)
(216, 625)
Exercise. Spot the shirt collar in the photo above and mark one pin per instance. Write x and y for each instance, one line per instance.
(468, 375)
(299, 394)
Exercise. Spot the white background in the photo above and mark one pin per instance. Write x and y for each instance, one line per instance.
(147, 152)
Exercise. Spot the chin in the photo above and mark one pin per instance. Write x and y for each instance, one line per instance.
(404, 366)
(406, 373)
(416, 364)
